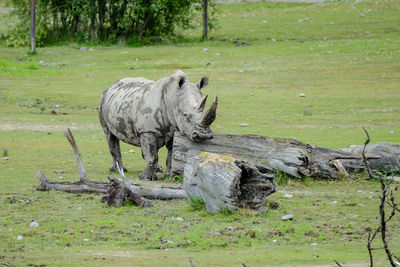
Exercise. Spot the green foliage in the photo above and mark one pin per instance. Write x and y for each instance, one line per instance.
(197, 204)
(281, 178)
(144, 21)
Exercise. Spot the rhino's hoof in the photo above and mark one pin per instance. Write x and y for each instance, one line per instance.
(159, 169)
(114, 169)
(144, 176)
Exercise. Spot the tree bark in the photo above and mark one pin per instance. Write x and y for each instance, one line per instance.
(289, 156)
(205, 20)
(33, 25)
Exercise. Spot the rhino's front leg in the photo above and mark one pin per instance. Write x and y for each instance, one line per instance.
(148, 142)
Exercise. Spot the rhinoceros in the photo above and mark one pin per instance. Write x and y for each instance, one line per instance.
(146, 113)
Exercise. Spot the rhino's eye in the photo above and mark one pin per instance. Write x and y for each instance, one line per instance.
(187, 116)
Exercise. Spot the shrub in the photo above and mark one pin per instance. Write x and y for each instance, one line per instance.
(103, 20)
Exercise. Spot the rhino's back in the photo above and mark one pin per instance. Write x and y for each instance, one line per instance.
(121, 106)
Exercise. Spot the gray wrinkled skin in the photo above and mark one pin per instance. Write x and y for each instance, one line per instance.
(145, 113)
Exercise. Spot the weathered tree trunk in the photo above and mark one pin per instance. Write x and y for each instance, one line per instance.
(119, 190)
(288, 155)
(223, 182)
(33, 25)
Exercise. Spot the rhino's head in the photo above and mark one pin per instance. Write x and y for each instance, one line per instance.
(188, 107)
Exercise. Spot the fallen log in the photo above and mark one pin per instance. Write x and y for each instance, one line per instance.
(289, 156)
(118, 190)
(225, 183)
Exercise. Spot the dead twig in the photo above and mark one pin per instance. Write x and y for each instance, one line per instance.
(191, 263)
(337, 263)
(71, 140)
(385, 193)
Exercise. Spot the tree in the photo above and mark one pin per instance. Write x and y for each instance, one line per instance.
(102, 20)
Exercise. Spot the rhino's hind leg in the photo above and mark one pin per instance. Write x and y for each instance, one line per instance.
(148, 142)
(115, 150)
(169, 159)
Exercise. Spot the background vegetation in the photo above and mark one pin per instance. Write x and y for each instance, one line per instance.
(105, 21)
(344, 56)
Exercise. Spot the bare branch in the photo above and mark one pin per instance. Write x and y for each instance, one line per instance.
(370, 174)
(71, 140)
(337, 263)
(191, 263)
(121, 172)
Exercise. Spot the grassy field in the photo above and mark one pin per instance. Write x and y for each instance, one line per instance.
(344, 56)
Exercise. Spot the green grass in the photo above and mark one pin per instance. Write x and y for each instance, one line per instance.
(351, 79)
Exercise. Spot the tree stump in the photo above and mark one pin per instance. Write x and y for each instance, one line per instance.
(225, 183)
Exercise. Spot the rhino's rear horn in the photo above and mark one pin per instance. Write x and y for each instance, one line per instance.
(202, 104)
(210, 114)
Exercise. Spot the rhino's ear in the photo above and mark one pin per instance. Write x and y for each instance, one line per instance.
(202, 83)
(181, 81)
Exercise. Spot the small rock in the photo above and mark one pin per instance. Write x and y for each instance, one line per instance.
(217, 54)
(33, 224)
(362, 15)
(247, 66)
(180, 219)
(273, 40)
(251, 94)
(330, 52)
(5, 158)
(264, 21)
(19, 237)
(205, 49)
(333, 202)
(244, 124)
(240, 71)
(90, 49)
(252, 30)
(361, 205)
(137, 59)
(83, 48)
(57, 106)
(391, 132)
(274, 241)
(302, 95)
(314, 244)
(60, 177)
(288, 217)
(85, 239)
(287, 195)
(360, 191)
(189, 242)
(331, 23)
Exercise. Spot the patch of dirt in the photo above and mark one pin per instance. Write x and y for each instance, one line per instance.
(33, 127)
(377, 110)
(41, 127)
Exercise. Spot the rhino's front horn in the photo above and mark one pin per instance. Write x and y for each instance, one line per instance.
(210, 114)
(202, 104)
